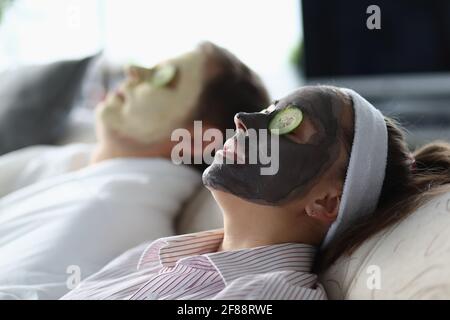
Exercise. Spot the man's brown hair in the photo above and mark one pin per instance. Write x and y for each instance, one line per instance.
(232, 88)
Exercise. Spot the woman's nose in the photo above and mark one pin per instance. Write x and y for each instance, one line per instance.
(245, 121)
(238, 122)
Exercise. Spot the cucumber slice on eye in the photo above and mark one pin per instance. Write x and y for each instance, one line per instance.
(286, 120)
(163, 75)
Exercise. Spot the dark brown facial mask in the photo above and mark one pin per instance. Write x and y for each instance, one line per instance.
(299, 164)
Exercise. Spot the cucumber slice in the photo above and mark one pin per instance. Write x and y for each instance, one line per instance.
(286, 120)
(163, 75)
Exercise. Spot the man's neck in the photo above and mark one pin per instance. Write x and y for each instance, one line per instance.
(103, 153)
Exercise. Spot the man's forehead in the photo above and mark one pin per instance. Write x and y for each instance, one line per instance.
(183, 58)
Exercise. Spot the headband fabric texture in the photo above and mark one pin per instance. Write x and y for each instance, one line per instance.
(366, 169)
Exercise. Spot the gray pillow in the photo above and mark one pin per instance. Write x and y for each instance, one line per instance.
(35, 102)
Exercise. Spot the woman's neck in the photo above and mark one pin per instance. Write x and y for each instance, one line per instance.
(249, 226)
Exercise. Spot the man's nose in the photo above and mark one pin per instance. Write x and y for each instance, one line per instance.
(134, 73)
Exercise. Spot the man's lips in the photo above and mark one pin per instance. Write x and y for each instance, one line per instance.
(119, 94)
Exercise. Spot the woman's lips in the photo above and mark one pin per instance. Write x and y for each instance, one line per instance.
(232, 151)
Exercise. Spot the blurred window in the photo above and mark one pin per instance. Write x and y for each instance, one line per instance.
(262, 33)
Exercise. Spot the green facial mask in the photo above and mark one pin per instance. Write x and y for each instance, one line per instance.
(163, 98)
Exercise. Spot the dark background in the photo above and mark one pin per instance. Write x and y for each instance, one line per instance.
(414, 37)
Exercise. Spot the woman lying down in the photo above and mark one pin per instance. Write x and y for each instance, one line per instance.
(342, 167)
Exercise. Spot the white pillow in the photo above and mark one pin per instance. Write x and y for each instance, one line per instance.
(409, 260)
(200, 213)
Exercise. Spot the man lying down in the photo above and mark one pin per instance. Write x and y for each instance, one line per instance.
(67, 211)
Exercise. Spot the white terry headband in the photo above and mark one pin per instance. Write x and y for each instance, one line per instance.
(366, 168)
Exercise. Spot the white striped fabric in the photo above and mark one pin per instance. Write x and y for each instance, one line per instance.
(190, 267)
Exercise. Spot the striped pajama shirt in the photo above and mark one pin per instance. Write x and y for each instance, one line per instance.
(190, 267)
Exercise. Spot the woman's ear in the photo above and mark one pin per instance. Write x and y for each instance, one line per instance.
(324, 207)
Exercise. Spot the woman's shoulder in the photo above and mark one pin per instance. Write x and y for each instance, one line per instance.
(278, 285)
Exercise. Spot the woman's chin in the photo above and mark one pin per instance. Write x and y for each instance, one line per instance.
(224, 198)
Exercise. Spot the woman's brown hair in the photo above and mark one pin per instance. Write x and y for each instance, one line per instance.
(411, 179)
